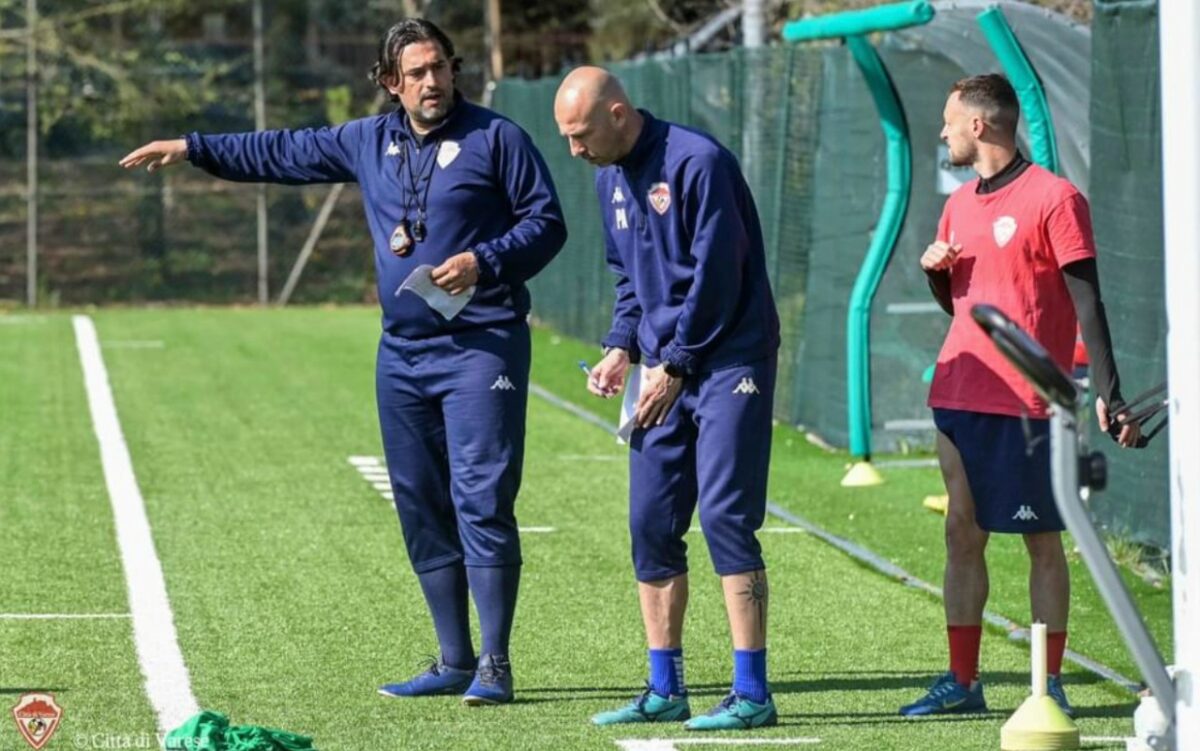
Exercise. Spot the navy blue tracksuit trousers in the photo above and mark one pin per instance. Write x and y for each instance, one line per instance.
(452, 414)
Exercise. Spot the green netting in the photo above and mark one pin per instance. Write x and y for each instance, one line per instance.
(1126, 198)
(770, 123)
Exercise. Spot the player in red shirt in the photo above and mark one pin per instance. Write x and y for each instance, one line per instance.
(1020, 238)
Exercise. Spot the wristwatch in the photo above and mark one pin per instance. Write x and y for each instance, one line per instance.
(672, 370)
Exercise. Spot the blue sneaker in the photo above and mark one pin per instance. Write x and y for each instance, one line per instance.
(493, 682)
(649, 707)
(736, 713)
(438, 680)
(947, 696)
(1054, 689)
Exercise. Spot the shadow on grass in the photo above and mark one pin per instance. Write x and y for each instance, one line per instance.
(849, 682)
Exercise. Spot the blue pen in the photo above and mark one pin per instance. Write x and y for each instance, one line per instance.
(584, 367)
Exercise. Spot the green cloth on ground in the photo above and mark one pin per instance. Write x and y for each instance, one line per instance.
(210, 731)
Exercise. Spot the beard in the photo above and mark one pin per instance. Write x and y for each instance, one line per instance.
(429, 115)
(961, 158)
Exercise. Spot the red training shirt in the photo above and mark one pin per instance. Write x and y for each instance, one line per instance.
(1015, 242)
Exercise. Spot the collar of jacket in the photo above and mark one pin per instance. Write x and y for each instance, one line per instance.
(398, 121)
(647, 140)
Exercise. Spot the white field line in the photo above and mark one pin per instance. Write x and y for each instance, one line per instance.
(764, 530)
(59, 616)
(673, 744)
(374, 471)
(168, 685)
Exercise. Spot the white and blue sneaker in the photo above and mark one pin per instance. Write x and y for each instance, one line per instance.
(1054, 689)
(947, 696)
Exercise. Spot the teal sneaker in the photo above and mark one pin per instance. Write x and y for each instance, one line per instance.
(649, 707)
(736, 713)
(1054, 689)
(947, 696)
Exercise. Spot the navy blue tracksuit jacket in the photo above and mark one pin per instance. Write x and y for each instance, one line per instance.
(684, 240)
(495, 196)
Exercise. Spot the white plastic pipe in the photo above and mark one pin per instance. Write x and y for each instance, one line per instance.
(1179, 51)
(1037, 642)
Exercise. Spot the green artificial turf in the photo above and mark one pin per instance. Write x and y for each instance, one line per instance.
(293, 598)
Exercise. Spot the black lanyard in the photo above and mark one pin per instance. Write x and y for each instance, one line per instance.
(416, 196)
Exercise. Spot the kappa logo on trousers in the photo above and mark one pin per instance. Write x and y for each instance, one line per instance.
(746, 386)
(503, 384)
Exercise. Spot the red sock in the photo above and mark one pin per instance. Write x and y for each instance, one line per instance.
(964, 652)
(1056, 644)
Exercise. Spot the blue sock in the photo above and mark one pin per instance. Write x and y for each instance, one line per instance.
(446, 594)
(495, 591)
(750, 674)
(666, 672)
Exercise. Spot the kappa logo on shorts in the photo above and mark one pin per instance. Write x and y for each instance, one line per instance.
(660, 197)
(1003, 230)
(1025, 514)
(502, 384)
(746, 386)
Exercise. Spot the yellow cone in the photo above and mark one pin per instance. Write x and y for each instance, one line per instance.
(862, 475)
(938, 503)
(1039, 724)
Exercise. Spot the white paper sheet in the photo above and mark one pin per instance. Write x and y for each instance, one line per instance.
(633, 389)
(420, 283)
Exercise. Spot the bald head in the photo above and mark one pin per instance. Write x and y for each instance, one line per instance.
(586, 88)
(595, 115)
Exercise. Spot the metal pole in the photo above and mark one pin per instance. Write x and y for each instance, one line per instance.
(1064, 463)
(753, 23)
(1179, 62)
(310, 242)
(260, 123)
(31, 154)
(495, 50)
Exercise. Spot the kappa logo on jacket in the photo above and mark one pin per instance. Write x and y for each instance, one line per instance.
(618, 196)
(660, 197)
(392, 149)
(620, 220)
(1003, 230)
(502, 384)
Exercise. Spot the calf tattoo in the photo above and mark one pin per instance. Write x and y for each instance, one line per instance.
(756, 594)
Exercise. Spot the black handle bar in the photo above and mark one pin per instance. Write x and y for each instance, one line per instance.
(1027, 356)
